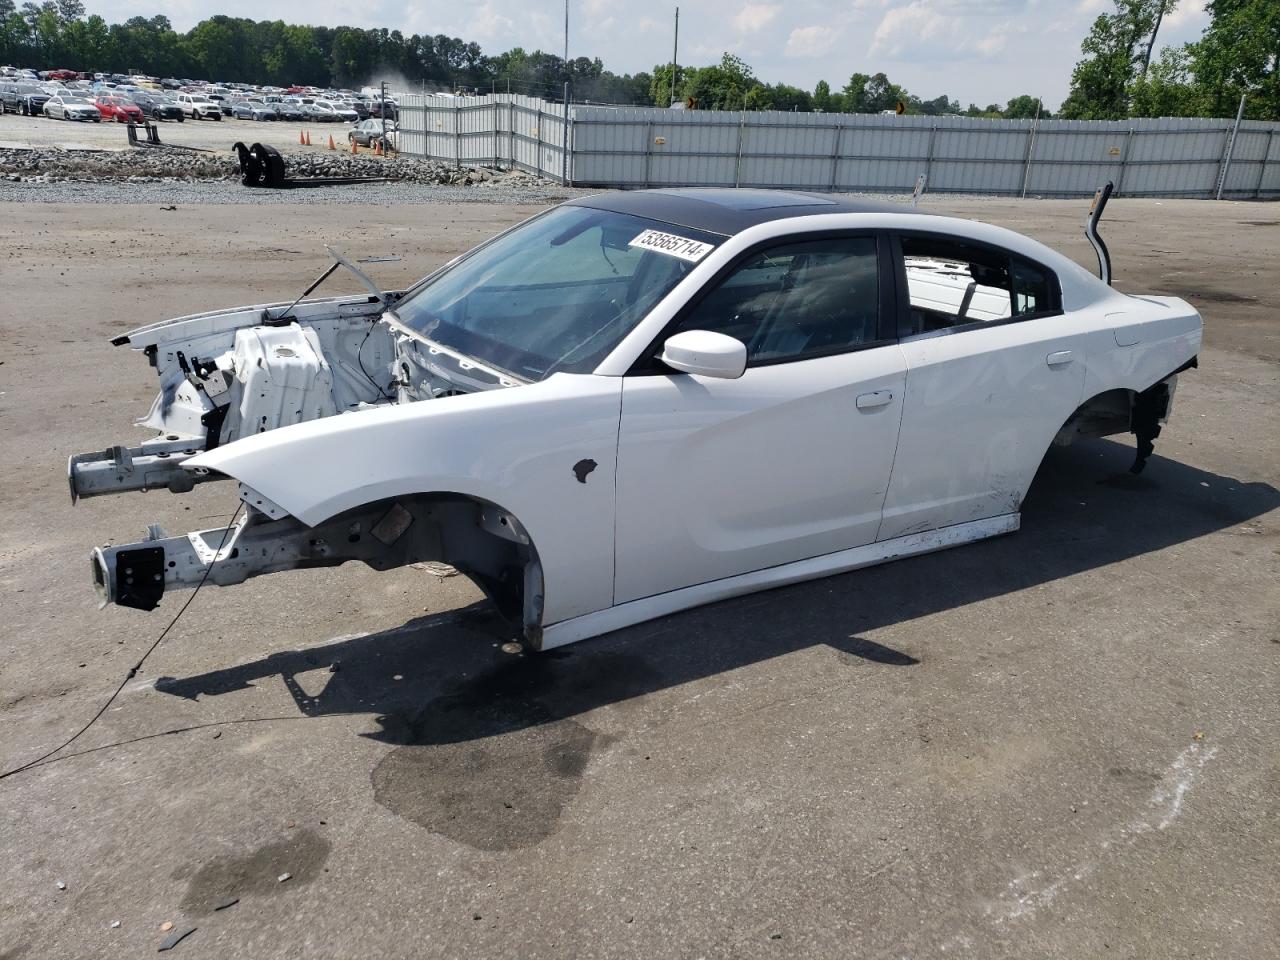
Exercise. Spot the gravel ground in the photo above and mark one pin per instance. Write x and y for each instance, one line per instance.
(180, 192)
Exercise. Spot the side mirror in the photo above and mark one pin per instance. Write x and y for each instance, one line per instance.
(705, 353)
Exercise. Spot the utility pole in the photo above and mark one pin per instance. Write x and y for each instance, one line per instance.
(382, 96)
(566, 39)
(675, 56)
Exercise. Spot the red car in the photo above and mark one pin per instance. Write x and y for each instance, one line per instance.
(118, 109)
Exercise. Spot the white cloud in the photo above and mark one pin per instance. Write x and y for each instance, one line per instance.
(811, 41)
(755, 17)
(911, 26)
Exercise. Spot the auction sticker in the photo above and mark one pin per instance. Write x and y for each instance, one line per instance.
(672, 245)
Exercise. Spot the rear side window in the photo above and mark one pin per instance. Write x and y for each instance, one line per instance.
(954, 284)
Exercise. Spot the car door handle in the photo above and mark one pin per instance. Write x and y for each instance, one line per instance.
(877, 399)
(1059, 358)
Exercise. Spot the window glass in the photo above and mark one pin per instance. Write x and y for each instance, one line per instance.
(556, 294)
(1030, 289)
(951, 283)
(797, 300)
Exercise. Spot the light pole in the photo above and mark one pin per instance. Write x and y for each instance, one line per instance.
(675, 55)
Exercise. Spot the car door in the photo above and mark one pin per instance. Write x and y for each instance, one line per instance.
(994, 368)
(790, 461)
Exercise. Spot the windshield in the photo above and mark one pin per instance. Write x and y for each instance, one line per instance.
(556, 294)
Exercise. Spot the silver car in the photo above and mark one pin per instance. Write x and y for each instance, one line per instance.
(66, 106)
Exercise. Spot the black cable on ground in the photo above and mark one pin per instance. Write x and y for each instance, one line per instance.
(133, 671)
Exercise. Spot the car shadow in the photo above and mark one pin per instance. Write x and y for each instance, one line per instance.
(443, 679)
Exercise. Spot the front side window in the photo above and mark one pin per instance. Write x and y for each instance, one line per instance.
(797, 300)
(557, 293)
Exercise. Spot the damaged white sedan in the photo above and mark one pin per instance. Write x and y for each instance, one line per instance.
(639, 402)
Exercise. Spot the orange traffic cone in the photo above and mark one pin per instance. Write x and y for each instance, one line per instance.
(308, 138)
(355, 148)
(332, 145)
(302, 140)
(377, 147)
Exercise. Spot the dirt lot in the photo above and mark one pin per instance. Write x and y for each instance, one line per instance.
(1056, 744)
(19, 131)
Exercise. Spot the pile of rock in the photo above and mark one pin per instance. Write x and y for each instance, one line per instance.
(143, 165)
(160, 164)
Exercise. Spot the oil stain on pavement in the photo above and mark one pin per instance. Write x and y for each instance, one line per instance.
(301, 854)
(494, 761)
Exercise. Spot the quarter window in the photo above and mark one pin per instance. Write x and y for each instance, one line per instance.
(797, 300)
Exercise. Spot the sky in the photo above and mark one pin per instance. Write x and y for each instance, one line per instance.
(979, 51)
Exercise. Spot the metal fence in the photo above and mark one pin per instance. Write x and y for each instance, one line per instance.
(646, 147)
(503, 129)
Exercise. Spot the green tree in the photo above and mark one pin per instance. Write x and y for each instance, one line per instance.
(784, 97)
(1239, 53)
(1025, 107)
(1116, 46)
(1167, 89)
(854, 94)
(822, 97)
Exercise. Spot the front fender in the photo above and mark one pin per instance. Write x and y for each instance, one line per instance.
(545, 451)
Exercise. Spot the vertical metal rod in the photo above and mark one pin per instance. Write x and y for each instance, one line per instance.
(1124, 162)
(675, 57)
(457, 136)
(564, 125)
(835, 155)
(494, 104)
(1031, 145)
(566, 38)
(648, 150)
(928, 157)
(1266, 160)
(737, 167)
(511, 130)
(382, 104)
(1226, 154)
(537, 157)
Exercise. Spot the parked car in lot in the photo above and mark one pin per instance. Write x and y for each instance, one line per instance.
(252, 110)
(285, 110)
(326, 111)
(24, 98)
(66, 106)
(198, 107)
(118, 109)
(376, 108)
(367, 131)
(159, 106)
(640, 402)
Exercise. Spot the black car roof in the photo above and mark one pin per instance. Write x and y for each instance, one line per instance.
(726, 210)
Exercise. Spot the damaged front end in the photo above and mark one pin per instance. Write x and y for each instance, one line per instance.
(232, 374)
(481, 540)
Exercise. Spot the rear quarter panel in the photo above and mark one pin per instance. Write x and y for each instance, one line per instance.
(1138, 341)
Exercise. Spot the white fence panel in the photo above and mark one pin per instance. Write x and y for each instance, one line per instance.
(642, 147)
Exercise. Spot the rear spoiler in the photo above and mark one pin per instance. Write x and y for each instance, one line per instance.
(1091, 230)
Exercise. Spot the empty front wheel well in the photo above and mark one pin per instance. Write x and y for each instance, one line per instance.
(479, 538)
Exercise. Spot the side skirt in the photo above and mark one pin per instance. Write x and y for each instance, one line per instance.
(648, 608)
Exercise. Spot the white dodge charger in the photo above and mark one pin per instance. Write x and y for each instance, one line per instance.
(639, 402)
